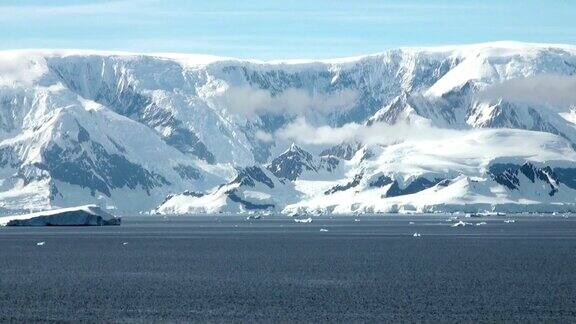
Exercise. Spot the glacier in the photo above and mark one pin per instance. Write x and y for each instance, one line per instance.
(441, 129)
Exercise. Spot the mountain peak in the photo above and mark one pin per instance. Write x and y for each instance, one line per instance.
(292, 163)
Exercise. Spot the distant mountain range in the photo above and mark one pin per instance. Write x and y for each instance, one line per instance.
(486, 127)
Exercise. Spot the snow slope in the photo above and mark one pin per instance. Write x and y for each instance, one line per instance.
(507, 170)
(140, 132)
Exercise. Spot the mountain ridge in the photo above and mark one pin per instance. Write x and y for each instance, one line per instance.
(209, 58)
(127, 131)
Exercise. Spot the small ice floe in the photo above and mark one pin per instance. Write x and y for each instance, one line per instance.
(124, 243)
(411, 223)
(251, 217)
(356, 219)
(323, 230)
(416, 234)
(509, 221)
(480, 224)
(460, 224)
(40, 243)
(303, 220)
(491, 213)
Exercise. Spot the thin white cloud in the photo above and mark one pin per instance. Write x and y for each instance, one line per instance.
(250, 101)
(552, 89)
(302, 132)
(264, 136)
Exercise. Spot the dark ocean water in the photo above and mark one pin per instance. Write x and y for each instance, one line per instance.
(201, 268)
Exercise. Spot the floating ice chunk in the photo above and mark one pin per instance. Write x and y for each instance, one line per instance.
(416, 234)
(251, 217)
(460, 224)
(89, 215)
(356, 219)
(508, 221)
(40, 243)
(490, 213)
(303, 220)
(481, 223)
(323, 230)
(124, 243)
(411, 223)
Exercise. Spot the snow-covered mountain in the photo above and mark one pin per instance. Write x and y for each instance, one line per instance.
(475, 127)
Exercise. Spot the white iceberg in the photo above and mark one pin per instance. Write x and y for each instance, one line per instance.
(416, 234)
(323, 230)
(303, 220)
(460, 224)
(508, 221)
(88, 215)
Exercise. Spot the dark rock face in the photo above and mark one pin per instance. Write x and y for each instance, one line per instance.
(329, 163)
(188, 172)
(83, 135)
(249, 175)
(102, 173)
(381, 181)
(248, 205)
(508, 175)
(566, 176)
(415, 186)
(187, 142)
(290, 164)
(355, 182)
(8, 157)
(343, 151)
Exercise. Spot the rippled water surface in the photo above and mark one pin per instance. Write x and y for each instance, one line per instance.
(227, 268)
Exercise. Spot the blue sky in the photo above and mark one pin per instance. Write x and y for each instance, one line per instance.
(268, 29)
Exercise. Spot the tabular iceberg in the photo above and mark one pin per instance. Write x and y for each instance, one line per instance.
(88, 215)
